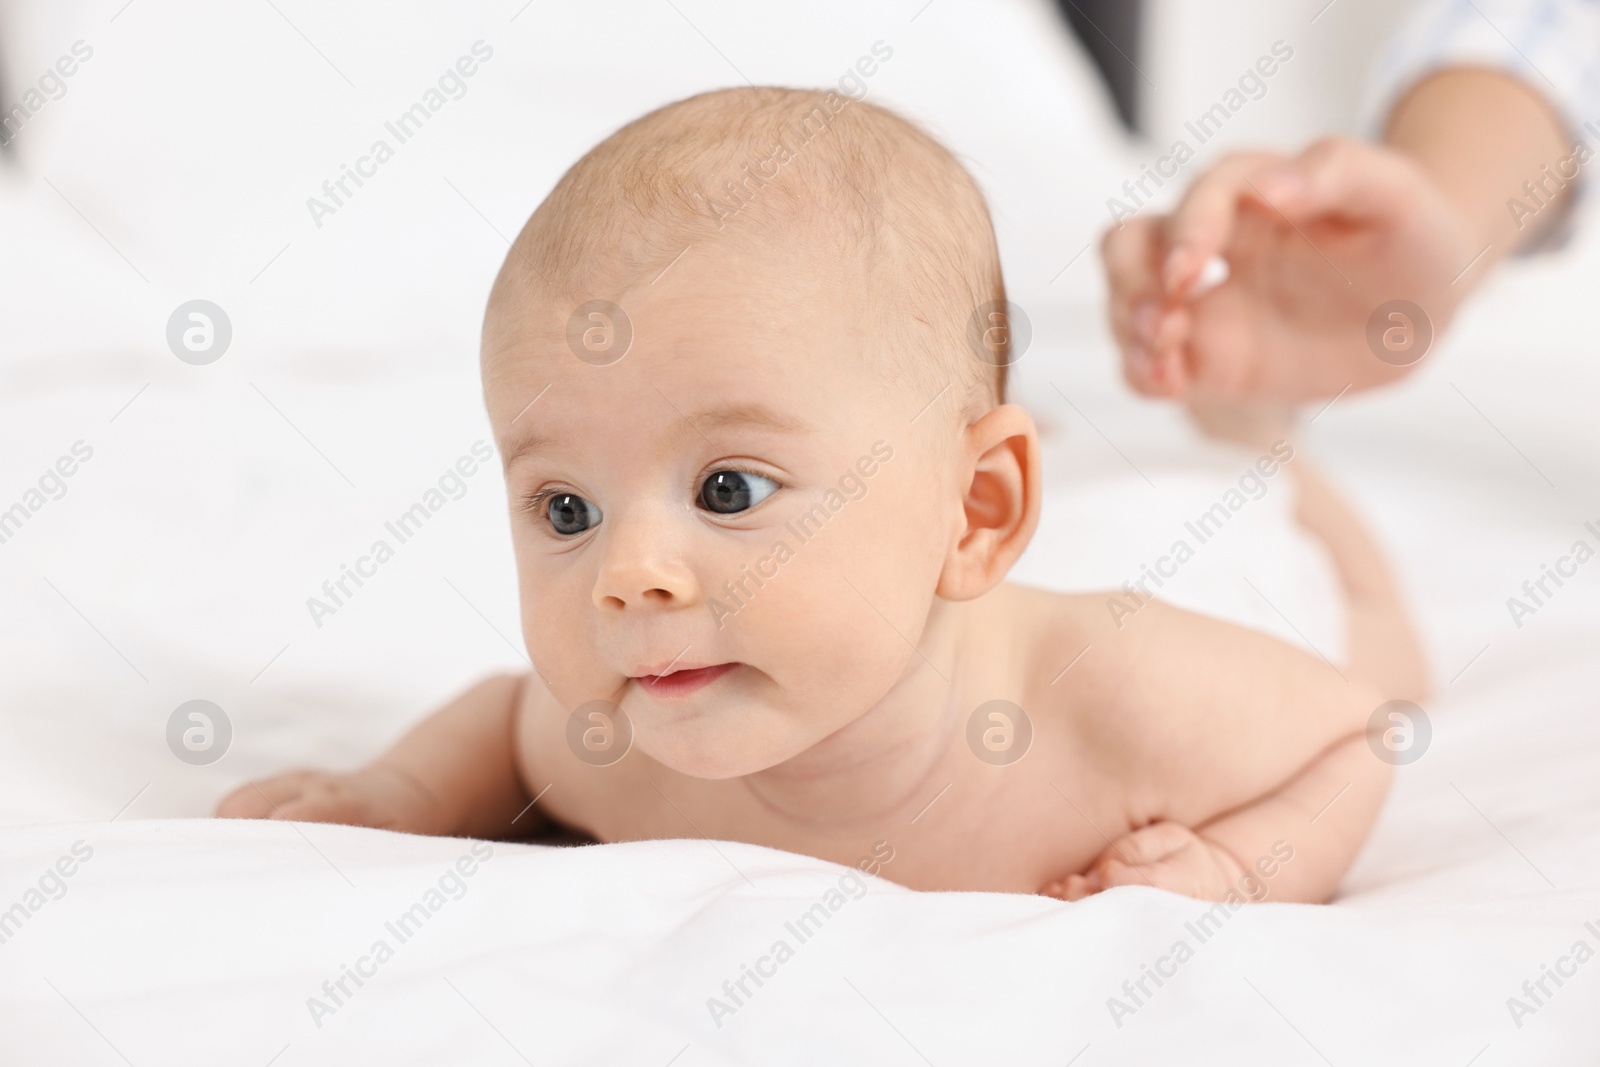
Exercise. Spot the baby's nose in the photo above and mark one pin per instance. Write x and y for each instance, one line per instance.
(640, 569)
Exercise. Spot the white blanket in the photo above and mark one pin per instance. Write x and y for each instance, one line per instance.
(177, 564)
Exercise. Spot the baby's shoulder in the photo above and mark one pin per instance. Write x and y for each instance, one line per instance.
(1081, 637)
(1118, 682)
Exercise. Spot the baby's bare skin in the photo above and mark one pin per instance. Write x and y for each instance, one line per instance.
(818, 698)
(1140, 749)
(1122, 752)
(1120, 742)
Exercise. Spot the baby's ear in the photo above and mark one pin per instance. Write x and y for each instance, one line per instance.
(1000, 457)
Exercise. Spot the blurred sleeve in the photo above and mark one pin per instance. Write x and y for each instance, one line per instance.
(1552, 46)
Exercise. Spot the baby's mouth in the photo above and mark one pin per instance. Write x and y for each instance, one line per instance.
(680, 683)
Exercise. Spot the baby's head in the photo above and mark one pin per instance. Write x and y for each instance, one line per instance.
(746, 370)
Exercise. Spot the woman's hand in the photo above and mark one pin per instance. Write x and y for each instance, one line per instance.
(1315, 245)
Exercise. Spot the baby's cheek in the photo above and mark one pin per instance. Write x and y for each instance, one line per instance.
(828, 635)
(908, 510)
(555, 626)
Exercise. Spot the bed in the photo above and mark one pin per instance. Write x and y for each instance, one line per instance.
(175, 563)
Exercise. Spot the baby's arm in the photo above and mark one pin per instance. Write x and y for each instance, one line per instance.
(1320, 817)
(1324, 813)
(454, 774)
(1292, 845)
(1313, 826)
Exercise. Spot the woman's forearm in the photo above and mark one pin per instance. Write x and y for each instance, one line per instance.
(1481, 134)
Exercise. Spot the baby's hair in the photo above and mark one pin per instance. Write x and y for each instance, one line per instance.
(758, 165)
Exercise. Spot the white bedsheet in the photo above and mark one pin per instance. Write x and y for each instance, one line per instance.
(198, 942)
(178, 562)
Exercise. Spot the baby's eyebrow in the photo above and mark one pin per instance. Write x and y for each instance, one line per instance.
(524, 447)
(718, 418)
(746, 415)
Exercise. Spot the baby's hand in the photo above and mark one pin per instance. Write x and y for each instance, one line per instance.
(377, 796)
(1165, 855)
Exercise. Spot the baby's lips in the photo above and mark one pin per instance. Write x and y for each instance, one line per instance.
(656, 668)
(682, 681)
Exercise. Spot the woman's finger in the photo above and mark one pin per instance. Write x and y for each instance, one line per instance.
(1340, 175)
(1132, 255)
(1170, 369)
(1204, 220)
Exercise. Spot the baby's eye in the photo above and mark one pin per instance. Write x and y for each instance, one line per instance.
(571, 514)
(727, 492)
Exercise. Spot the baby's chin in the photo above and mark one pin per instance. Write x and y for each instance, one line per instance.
(717, 740)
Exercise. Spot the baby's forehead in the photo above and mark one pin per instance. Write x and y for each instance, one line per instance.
(780, 304)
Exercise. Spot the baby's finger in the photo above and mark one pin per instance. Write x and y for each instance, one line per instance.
(1113, 873)
(1151, 844)
(1077, 887)
(321, 807)
(243, 803)
(255, 800)
(258, 800)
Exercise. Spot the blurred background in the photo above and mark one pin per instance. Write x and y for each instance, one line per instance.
(1198, 48)
(190, 154)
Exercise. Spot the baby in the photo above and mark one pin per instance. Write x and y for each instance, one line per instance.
(746, 368)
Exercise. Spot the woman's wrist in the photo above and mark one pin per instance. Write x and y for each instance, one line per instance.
(1479, 135)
